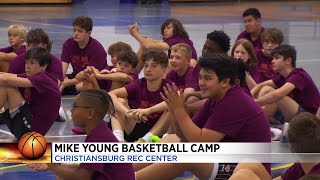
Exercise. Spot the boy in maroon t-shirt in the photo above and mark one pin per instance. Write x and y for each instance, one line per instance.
(16, 37)
(88, 110)
(172, 32)
(271, 38)
(39, 107)
(125, 73)
(113, 49)
(229, 115)
(291, 91)
(108, 81)
(253, 28)
(80, 51)
(144, 95)
(37, 38)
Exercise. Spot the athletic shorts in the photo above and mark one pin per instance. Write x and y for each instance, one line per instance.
(19, 122)
(221, 171)
(280, 117)
(70, 90)
(139, 130)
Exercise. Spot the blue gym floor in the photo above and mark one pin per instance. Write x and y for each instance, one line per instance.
(298, 20)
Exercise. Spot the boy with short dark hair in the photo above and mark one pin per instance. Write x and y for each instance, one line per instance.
(217, 42)
(37, 38)
(80, 51)
(27, 113)
(16, 37)
(291, 91)
(253, 28)
(125, 73)
(88, 110)
(143, 94)
(114, 49)
(229, 115)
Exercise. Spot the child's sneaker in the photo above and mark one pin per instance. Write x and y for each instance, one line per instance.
(78, 130)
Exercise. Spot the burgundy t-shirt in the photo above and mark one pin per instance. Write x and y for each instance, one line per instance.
(295, 172)
(107, 171)
(305, 93)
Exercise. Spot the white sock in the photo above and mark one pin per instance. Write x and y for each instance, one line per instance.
(119, 135)
(146, 137)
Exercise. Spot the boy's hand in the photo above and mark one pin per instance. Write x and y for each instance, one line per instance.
(61, 87)
(39, 167)
(173, 99)
(140, 114)
(96, 71)
(133, 29)
(80, 76)
(113, 70)
(105, 71)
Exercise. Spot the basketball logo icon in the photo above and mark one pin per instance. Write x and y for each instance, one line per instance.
(32, 145)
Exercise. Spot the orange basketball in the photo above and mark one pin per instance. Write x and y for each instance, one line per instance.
(32, 145)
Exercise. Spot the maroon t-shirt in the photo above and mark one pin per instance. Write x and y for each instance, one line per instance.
(188, 80)
(140, 97)
(20, 50)
(237, 116)
(107, 171)
(44, 100)
(257, 44)
(17, 66)
(295, 172)
(306, 93)
(92, 55)
(264, 67)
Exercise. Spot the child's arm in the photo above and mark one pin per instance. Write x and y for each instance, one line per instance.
(278, 178)
(147, 42)
(188, 90)
(256, 90)
(250, 81)
(318, 113)
(141, 113)
(80, 76)
(117, 76)
(8, 79)
(119, 93)
(197, 94)
(64, 171)
(67, 82)
(160, 107)
(7, 56)
(276, 95)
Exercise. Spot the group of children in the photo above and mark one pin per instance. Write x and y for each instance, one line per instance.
(216, 98)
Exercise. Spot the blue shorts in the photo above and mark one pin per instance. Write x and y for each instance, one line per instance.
(280, 117)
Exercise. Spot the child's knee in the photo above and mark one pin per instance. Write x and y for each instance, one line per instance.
(265, 90)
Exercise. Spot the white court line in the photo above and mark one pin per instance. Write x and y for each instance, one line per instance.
(38, 23)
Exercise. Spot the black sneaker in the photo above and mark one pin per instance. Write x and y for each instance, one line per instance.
(2, 119)
(59, 119)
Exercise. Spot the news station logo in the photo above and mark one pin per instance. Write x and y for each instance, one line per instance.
(32, 145)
